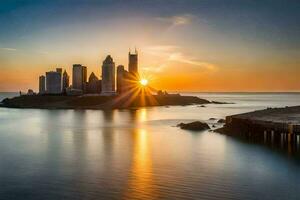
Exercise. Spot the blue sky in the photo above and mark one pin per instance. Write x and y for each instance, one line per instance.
(236, 37)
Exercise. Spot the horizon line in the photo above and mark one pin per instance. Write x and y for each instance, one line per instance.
(232, 92)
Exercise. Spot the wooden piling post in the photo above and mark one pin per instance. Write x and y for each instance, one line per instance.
(281, 139)
(272, 137)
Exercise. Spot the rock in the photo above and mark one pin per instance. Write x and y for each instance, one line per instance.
(221, 121)
(202, 106)
(218, 102)
(212, 118)
(194, 126)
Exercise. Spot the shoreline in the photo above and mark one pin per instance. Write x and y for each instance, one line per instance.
(99, 102)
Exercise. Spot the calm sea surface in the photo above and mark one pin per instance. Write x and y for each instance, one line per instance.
(139, 154)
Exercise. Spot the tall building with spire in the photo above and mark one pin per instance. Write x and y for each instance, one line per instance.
(133, 63)
(108, 76)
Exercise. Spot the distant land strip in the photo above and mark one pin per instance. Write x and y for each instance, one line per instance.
(99, 102)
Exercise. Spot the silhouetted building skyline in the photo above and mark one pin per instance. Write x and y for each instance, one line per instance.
(114, 81)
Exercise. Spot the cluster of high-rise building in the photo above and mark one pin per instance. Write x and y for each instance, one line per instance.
(114, 81)
(54, 82)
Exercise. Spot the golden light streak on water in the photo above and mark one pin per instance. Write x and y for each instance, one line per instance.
(142, 115)
(140, 184)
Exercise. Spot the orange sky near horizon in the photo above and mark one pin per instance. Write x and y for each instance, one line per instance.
(171, 76)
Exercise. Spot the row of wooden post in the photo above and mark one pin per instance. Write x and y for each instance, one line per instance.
(282, 139)
(284, 135)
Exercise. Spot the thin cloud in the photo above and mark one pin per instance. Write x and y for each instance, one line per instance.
(155, 69)
(175, 54)
(161, 50)
(22, 50)
(177, 20)
(179, 57)
(8, 49)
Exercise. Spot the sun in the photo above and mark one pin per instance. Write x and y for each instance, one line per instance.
(144, 82)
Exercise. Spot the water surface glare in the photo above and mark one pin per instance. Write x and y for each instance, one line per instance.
(140, 154)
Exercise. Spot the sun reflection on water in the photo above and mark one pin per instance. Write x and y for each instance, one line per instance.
(140, 183)
(142, 115)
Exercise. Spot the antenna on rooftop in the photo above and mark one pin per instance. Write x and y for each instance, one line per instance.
(135, 50)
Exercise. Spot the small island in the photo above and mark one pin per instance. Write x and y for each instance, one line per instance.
(98, 102)
(119, 88)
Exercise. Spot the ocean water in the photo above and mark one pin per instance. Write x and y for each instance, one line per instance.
(140, 154)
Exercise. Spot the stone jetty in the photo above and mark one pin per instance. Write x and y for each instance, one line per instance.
(273, 125)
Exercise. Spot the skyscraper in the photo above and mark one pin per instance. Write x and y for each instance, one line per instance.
(133, 63)
(108, 76)
(131, 77)
(120, 77)
(53, 82)
(42, 84)
(79, 76)
(66, 81)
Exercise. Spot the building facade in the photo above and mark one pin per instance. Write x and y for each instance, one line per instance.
(65, 81)
(84, 76)
(133, 63)
(108, 76)
(53, 82)
(120, 78)
(42, 84)
(94, 85)
(79, 77)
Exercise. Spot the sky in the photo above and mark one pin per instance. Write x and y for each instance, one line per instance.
(183, 45)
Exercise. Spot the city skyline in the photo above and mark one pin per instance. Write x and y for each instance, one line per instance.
(192, 46)
(150, 99)
(113, 81)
